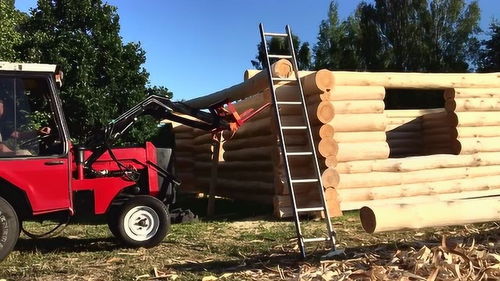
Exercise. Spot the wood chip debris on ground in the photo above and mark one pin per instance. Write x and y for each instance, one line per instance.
(449, 261)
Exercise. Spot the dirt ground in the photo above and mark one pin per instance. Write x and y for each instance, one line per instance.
(244, 246)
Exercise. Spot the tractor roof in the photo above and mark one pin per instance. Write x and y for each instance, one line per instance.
(27, 67)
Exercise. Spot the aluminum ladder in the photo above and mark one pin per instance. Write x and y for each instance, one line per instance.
(292, 180)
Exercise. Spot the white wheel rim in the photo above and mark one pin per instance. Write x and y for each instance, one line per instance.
(141, 223)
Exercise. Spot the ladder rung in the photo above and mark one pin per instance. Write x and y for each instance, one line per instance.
(280, 56)
(284, 79)
(275, 34)
(305, 240)
(304, 180)
(299, 153)
(294, 127)
(312, 209)
(289, 102)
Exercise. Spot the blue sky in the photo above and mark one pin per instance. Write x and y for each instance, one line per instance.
(196, 47)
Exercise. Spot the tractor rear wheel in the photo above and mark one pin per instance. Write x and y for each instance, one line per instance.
(143, 221)
(9, 228)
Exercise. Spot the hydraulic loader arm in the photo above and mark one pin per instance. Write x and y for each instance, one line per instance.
(160, 108)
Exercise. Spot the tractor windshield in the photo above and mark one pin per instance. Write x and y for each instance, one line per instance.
(27, 122)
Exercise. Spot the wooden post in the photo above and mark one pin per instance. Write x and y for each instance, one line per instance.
(216, 145)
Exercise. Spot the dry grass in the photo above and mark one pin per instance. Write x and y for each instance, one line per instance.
(260, 249)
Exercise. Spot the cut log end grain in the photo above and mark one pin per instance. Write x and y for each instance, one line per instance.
(320, 81)
(330, 178)
(282, 69)
(368, 219)
(325, 112)
(328, 147)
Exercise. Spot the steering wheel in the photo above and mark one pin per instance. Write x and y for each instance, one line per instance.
(31, 141)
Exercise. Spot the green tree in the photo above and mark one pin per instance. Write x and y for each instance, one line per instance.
(103, 75)
(400, 35)
(279, 46)
(10, 37)
(490, 54)
(328, 49)
(420, 35)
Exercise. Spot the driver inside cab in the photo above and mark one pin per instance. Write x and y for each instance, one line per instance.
(24, 117)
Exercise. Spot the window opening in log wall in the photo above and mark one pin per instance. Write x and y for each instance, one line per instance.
(417, 123)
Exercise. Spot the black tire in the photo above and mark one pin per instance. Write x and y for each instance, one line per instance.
(9, 228)
(112, 219)
(143, 221)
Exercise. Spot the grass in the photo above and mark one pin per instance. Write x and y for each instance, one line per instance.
(233, 247)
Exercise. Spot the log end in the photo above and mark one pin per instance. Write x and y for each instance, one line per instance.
(282, 69)
(368, 219)
(325, 112)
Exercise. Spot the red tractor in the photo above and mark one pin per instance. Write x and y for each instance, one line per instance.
(44, 176)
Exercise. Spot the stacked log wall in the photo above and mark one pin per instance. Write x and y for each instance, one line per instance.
(368, 155)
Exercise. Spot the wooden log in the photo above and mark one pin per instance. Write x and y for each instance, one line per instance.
(241, 143)
(404, 143)
(474, 145)
(457, 212)
(326, 131)
(402, 120)
(183, 136)
(477, 132)
(326, 109)
(325, 112)
(361, 151)
(433, 139)
(255, 102)
(317, 82)
(247, 175)
(450, 131)
(328, 147)
(349, 93)
(230, 185)
(252, 154)
(397, 113)
(393, 135)
(259, 127)
(408, 80)
(476, 119)
(389, 178)
(472, 104)
(331, 162)
(475, 93)
(420, 189)
(179, 128)
(330, 177)
(202, 148)
(282, 68)
(358, 122)
(415, 125)
(399, 152)
(353, 137)
(313, 82)
(418, 163)
(260, 166)
(356, 205)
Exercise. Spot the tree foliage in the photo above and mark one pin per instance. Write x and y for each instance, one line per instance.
(10, 37)
(103, 75)
(401, 35)
(279, 46)
(490, 54)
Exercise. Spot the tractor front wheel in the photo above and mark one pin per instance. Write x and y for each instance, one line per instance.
(143, 221)
(9, 228)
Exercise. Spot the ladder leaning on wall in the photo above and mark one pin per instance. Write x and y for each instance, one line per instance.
(292, 181)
